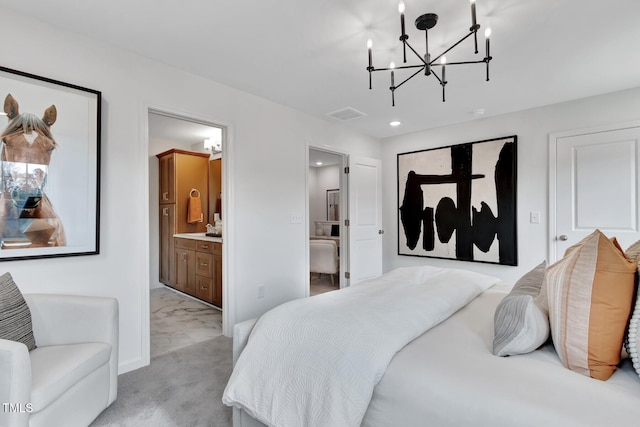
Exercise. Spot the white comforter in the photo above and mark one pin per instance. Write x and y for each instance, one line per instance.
(316, 361)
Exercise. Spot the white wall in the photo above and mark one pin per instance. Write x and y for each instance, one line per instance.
(268, 183)
(532, 128)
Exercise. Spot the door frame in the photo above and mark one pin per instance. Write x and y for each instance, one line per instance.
(552, 252)
(228, 262)
(344, 214)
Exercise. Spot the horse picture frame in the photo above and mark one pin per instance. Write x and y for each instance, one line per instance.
(49, 167)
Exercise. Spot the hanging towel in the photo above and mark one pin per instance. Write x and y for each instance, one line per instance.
(194, 208)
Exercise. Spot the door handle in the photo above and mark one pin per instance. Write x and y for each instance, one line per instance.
(563, 237)
(380, 231)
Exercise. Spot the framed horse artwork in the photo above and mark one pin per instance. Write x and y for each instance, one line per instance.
(49, 168)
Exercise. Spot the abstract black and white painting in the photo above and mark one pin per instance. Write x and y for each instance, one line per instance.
(459, 202)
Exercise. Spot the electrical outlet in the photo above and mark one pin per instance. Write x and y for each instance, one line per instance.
(260, 291)
(296, 219)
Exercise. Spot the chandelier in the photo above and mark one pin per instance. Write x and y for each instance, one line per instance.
(427, 64)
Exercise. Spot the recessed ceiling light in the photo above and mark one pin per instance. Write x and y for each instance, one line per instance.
(318, 163)
(395, 123)
(479, 112)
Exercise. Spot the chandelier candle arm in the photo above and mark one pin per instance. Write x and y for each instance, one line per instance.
(427, 55)
(392, 67)
(393, 88)
(473, 14)
(370, 67)
(474, 25)
(487, 35)
(443, 61)
(403, 35)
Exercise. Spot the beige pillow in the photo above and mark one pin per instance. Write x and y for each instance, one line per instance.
(521, 325)
(590, 292)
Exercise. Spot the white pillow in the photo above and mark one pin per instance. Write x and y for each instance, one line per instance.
(520, 324)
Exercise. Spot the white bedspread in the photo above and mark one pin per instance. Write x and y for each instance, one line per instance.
(448, 377)
(316, 361)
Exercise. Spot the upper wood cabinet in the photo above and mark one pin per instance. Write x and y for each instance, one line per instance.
(180, 172)
(167, 167)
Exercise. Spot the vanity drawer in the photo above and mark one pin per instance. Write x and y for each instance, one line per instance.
(209, 247)
(204, 264)
(185, 243)
(204, 288)
(202, 246)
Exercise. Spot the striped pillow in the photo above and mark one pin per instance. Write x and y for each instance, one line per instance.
(520, 324)
(632, 341)
(15, 316)
(590, 292)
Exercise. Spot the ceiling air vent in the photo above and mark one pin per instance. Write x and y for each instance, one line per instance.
(347, 113)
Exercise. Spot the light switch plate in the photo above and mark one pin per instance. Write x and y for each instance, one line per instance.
(534, 217)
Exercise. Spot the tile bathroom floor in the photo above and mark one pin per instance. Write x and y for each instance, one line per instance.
(178, 321)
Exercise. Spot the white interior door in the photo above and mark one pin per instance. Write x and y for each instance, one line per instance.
(595, 186)
(365, 219)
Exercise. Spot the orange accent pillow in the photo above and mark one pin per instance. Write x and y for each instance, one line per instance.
(590, 293)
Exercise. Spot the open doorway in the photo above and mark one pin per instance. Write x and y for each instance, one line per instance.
(327, 214)
(181, 315)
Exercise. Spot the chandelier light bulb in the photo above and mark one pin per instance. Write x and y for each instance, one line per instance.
(392, 65)
(370, 43)
(472, 1)
(487, 33)
(443, 60)
(401, 7)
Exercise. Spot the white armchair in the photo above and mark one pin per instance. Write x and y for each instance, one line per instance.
(323, 257)
(72, 375)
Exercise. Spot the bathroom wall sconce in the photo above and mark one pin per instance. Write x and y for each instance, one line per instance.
(213, 146)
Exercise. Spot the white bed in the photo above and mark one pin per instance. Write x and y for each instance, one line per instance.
(448, 376)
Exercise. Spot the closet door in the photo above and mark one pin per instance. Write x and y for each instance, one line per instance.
(594, 183)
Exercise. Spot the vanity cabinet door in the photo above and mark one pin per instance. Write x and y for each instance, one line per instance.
(186, 271)
(167, 246)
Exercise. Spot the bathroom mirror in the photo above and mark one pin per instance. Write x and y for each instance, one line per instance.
(333, 205)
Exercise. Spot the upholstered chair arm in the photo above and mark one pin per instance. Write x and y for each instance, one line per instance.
(74, 319)
(15, 384)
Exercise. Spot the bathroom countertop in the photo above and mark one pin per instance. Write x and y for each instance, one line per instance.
(198, 236)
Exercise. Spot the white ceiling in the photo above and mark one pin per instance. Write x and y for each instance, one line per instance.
(327, 159)
(181, 131)
(311, 55)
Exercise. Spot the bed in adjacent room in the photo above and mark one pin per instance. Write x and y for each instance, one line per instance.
(289, 373)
